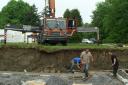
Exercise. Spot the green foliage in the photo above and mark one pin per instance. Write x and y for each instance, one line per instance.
(76, 38)
(76, 14)
(86, 25)
(98, 18)
(72, 14)
(111, 17)
(18, 12)
(50, 49)
(67, 14)
(3, 20)
(31, 16)
(89, 35)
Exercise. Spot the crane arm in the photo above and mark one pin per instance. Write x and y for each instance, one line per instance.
(52, 8)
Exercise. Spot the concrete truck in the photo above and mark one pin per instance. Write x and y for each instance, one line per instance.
(55, 30)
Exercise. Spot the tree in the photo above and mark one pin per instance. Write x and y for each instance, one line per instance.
(111, 17)
(74, 14)
(88, 34)
(18, 12)
(3, 21)
(98, 18)
(117, 21)
(67, 14)
(86, 25)
(31, 16)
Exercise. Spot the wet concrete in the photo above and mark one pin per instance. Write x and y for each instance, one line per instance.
(123, 73)
(100, 78)
(96, 78)
(123, 76)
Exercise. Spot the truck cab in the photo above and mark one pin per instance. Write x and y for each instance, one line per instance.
(56, 30)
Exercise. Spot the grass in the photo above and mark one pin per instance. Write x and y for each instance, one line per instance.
(50, 48)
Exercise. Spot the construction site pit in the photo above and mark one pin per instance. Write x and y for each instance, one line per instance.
(20, 66)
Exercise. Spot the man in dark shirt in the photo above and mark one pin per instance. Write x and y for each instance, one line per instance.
(115, 63)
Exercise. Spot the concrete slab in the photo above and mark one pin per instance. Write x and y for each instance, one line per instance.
(82, 84)
(34, 83)
(123, 76)
(16, 78)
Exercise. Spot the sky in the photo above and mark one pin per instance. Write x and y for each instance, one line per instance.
(86, 7)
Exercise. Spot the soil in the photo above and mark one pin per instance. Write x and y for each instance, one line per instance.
(33, 60)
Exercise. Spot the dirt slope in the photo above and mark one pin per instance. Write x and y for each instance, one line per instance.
(15, 59)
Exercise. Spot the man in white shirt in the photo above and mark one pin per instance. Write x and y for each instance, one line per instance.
(86, 57)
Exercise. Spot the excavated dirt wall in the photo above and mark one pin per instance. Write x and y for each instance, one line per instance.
(32, 60)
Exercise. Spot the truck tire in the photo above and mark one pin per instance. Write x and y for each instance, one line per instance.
(64, 43)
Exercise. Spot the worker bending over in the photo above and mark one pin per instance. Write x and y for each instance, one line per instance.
(75, 62)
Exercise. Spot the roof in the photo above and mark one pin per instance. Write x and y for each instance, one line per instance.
(89, 29)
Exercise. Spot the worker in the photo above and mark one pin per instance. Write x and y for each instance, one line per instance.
(75, 61)
(115, 63)
(86, 57)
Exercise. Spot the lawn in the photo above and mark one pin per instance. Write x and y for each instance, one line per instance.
(52, 48)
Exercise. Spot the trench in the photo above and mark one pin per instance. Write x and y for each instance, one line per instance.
(33, 60)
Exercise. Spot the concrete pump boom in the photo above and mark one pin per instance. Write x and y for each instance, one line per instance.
(52, 8)
(55, 30)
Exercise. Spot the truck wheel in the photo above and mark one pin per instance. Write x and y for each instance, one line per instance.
(64, 43)
(44, 42)
(53, 43)
(38, 42)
